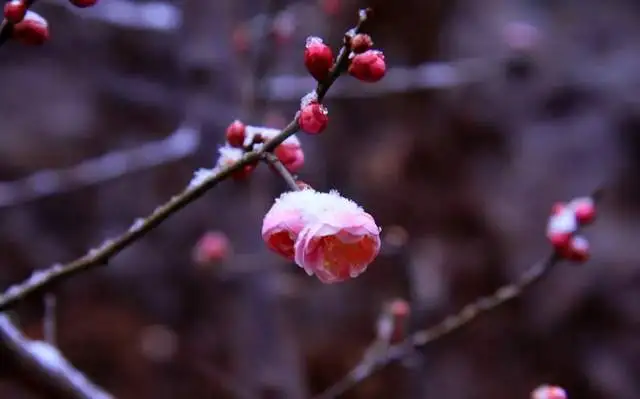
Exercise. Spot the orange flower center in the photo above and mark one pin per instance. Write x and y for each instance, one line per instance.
(343, 258)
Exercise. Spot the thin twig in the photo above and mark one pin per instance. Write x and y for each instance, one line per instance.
(377, 357)
(470, 312)
(100, 256)
(48, 364)
(275, 163)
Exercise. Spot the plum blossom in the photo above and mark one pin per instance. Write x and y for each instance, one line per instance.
(324, 233)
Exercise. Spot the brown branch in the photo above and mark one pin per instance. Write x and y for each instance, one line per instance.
(275, 163)
(378, 356)
(43, 279)
(48, 364)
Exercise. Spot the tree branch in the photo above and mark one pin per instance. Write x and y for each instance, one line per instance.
(42, 279)
(48, 364)
(275, 163)
(378, 356)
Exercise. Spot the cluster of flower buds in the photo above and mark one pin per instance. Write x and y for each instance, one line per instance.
(392, 322)
(324, 233)
(562, 229)
(549, 392)
(241, 138)
(212, 247)
(365, 64)
(29, 27)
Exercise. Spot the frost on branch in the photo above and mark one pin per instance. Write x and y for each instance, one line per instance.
(48, 360)
(324, 233)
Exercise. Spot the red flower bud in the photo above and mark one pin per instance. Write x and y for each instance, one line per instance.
(15, 11)
(313, 118)
(235, 134)
(32, 30)
(291, 156)
(361, 43)
(585, 210)
(368, 66)
(318, 58)
(577, 250)
(212, 247)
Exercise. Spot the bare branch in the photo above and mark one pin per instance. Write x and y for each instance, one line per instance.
(43, 279)
(48, 363)
(275, 163)
(377, 356)
(181, 143)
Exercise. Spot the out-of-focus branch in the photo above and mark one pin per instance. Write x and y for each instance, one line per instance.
(181, 143)
(203, 181)
(428, 76)
(48, 364)
(377, 356)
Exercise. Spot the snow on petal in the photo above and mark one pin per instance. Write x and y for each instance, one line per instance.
(324, 233)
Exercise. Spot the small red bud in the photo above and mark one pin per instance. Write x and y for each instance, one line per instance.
(313, 118)
(561, 226)
(585, 210)
(392, 321)
(15, 11)
(83, 3)
(291, 156)
(361, 43)
(368, 66)
(559, 241)
(212, 247)
(399, 308)
(32, 30)
(236, 134)
(577, 250)
(318, 58)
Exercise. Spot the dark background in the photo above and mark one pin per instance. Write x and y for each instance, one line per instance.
(459, 160)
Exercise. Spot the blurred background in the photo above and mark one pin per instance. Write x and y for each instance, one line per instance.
(491, 111)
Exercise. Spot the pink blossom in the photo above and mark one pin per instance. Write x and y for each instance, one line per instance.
(212, 246)
(549, 392)
(325, 233)
(281, 226)
(338, 247)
